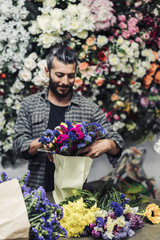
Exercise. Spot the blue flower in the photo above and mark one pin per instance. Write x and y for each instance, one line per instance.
(100, 221)
(81, 145)
(48, 132)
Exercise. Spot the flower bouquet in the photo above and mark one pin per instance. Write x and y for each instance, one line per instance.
(66, 143)
(69, 139)
(43, 216)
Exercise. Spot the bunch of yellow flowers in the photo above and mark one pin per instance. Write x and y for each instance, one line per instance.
(76, 217)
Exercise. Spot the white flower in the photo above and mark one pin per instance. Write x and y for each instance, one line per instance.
(8, 144)
(49, 3)
(33, 55)
(37, 80)
(3, 121)
(25, 75)
(16, 105)
(47, 40)
(10, 128)
(102, 40)
(120, 41)
(42, 64)
(29, 63)
(34, 28)
(83, 34)
(101, 213)
(113, 59)
(17, 87)
(57, 13)
(44, 22)
(118, 125)
(9, 101)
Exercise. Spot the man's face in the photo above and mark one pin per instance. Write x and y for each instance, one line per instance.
(62, 77)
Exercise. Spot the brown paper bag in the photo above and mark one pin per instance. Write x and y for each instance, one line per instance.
(14, 223)
(70, 173)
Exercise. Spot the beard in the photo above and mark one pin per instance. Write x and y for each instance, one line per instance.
(53, 87)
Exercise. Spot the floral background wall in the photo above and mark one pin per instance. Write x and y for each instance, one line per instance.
(118, 44)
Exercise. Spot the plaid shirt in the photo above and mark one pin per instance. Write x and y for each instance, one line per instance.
(32, 122)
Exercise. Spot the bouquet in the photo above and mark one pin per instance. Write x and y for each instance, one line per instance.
(43, 216)
(69, 139)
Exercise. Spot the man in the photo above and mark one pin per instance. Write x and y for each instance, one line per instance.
(48, 109)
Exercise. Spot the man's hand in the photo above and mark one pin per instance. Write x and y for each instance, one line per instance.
(49, 155)
(100, 147)
(35, 145)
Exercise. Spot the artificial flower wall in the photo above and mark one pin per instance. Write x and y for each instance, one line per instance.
(118, 45)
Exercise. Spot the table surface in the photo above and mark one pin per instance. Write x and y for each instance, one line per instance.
(149, 231)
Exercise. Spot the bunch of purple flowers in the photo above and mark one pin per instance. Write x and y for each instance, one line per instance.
(68, 139)
(119, 222)
(43, 216)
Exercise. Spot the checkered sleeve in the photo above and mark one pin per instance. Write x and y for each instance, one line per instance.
(22, 137)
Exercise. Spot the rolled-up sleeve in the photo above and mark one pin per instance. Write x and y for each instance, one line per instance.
(99, 116)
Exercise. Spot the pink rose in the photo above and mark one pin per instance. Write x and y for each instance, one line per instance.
(125, 34)
(122, 18)
(138, 39)
(122, 25)
(132, 21)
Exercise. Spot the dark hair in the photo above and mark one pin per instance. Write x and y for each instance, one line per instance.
(63, 53)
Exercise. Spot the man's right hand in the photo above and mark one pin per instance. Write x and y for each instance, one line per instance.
(49, 155)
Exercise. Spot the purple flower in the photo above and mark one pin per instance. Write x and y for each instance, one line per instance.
(131, 233)
(144, 102)
(95, 233)
(136, 222)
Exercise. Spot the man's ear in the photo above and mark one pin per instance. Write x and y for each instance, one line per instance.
(47, 72)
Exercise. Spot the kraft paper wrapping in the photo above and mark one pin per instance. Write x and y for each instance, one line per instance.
(14, 223)
(70, 173)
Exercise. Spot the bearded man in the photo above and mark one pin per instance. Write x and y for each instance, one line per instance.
(47, 109)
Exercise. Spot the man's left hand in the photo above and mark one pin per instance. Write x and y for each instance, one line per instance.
(100, 147)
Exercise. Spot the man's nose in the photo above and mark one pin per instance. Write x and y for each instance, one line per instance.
(65, 80)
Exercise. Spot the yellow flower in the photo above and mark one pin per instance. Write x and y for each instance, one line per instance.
(64, 124)
(152, 212)
(76, 217)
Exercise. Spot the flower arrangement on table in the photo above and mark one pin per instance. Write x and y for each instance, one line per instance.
(43, 216)
(69, 139)
(81, 213)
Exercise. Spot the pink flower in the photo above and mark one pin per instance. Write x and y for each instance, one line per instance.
(122, 25)
(132, 21)
(144, 102)
(146, 36)
(110, 38)
(125, 34)
(122, 18)
(116, 33)
(138, 39)
(137, 4)
(116, 117)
